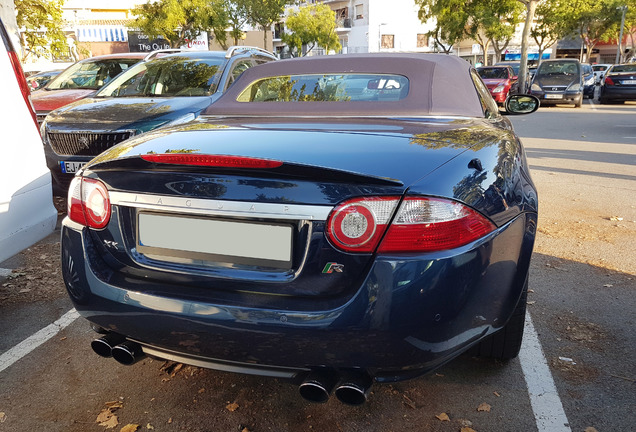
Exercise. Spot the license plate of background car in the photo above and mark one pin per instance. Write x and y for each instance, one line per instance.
(71, 167)
(628, 82)
(202, 239)
(554, 96)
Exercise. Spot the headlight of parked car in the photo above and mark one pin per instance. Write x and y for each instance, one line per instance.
(535, 87)
(499, 89)
(574, 87)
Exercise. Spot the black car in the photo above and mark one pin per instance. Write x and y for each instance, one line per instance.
(589, 80)
(164, 91)
(619, 84)
(558, 81)
(334, 220)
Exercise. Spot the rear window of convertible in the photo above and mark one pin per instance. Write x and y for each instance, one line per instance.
(327, 88)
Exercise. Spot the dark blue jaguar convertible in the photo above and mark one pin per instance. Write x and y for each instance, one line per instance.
(334, 220)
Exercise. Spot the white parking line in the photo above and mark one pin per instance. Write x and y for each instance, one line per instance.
(544, 398)
(37, 339)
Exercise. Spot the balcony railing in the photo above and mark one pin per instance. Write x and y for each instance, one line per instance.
(343, 23)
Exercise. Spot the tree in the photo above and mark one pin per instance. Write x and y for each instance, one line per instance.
(551, 24)
(311, 26)
(531, 7)
(485, 21)
(264, 13)
(43, 27)
(179, 21)
(237, 16)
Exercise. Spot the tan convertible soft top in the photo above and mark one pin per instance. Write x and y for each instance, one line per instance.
(439, 84)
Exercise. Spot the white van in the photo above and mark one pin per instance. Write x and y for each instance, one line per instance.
(27, 213)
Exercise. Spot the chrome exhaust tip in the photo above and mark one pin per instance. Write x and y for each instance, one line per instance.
(354, 388)
(104, 345)
(127, 353)
(318, 386)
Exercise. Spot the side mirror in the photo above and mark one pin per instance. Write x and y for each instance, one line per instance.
(521, 104)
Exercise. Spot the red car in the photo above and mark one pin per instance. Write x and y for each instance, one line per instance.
(500, 80)
(80, 80)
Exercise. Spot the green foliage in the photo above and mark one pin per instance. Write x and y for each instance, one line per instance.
(264, 13)
(485, 21)
(180, 20)
(311, 26)
(42, 23)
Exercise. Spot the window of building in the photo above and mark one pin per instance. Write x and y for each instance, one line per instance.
(388, 41)
(422, 40)
(359, 11)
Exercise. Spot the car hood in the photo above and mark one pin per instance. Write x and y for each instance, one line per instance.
(493, 82)
(48, 100)
(116, 113)
(555, 80)
(399, 151)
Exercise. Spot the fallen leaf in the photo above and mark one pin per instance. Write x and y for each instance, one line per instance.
(443, 417)
(149, 426)
(467, 429)
(201, 390)
(114, 404)
(531, 302)
(484, 407)
(130, 428)
(496, 394)
(245, 430)
(408, 402)
(3, 417)
(616, 218)
(232, 407)
(170, 420)
(590, 429)
(110, 423)
(465, 423)
(63, 339)
(608, 286)
(104, 415)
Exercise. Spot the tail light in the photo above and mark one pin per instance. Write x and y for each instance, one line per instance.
(421, 224)
(88, 202)
(609, 81)
(24, 86)
(211, 160)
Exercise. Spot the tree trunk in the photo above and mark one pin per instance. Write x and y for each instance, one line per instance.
(531, 6)
(265, 30)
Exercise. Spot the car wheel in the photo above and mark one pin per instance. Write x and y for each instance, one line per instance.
(506, 342)
(578, 103)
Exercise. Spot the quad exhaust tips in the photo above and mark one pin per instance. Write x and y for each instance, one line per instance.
(351, 388)
(116, 346)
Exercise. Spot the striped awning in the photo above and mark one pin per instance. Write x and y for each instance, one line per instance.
(102, 34)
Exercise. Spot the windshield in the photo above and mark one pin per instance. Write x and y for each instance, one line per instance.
(493, 73)
(327, 88)
(90, 74)
(624, 68)
(558, 68)
(597, 68)
(168, 76)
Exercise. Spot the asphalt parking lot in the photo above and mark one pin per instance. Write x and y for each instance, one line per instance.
(576, 372)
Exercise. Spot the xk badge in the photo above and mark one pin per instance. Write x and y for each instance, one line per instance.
(333, 267)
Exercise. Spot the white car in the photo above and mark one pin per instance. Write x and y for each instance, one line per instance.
(27, 213)
(599, 71)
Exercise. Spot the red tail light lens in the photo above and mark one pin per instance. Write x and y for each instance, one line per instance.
(421, 225)
(609, 81)
(433, 224)
(358, 225)
(211, 160)
(24, 86)
(88, 203)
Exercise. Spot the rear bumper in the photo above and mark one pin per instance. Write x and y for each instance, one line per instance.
(409, 316)
(617, 93)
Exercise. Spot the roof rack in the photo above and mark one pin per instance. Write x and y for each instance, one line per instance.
(162, 51)
(236, 49)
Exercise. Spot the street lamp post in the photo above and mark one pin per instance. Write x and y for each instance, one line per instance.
(620, 38)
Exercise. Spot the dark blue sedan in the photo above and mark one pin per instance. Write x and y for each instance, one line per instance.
(333, 220)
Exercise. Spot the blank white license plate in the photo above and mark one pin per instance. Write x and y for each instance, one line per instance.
(212, 239)
(71, 167)
(628, 82)
(554, 96)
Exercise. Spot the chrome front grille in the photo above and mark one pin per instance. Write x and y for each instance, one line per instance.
(85, 143)
(40, 117)
(555, 88)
